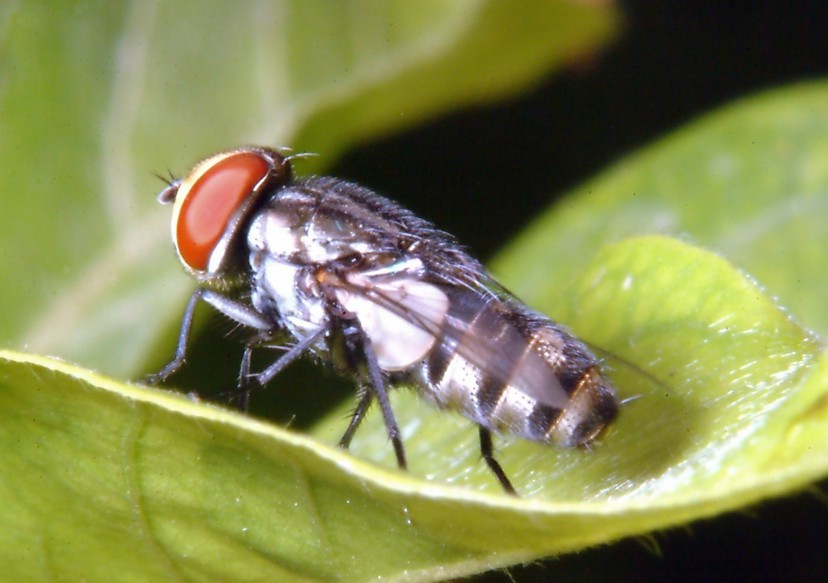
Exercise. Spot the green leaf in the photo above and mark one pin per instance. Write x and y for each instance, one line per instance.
(108, 478)
(96, 97)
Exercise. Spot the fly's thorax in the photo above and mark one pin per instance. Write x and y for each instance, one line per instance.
(312, 250)
(287, 293)
(276, 232)
(317, 226)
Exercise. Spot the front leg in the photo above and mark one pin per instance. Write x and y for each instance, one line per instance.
(241, 313)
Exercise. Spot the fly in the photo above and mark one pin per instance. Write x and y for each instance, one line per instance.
(384, 296)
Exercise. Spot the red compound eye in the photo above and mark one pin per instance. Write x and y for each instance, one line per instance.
(211, 201)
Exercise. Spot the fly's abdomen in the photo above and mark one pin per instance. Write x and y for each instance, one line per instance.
(509, 369)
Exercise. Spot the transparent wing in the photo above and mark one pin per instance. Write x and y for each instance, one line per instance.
(407, 317)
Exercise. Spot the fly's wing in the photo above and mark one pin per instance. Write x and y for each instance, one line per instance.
(401, 317)
(406, 317)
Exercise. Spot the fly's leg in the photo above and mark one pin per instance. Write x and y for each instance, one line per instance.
(241, 395)
(289, 356)
(243, 389)
(378, 386)
(183, 340)
(487, 451)
(234, 310)
(360, 355)
(356, 418)
(243, 392)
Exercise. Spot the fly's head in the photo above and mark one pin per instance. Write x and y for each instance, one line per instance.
(213, 202)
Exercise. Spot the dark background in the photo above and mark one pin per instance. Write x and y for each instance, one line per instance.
(674, 61)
